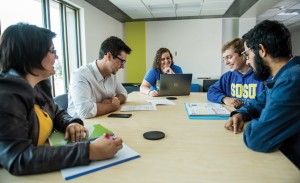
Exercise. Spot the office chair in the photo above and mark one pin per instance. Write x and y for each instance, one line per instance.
(207, 83)
(62, 101)
(130, 87)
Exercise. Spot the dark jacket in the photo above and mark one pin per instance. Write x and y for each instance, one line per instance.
(275, 114)
(19, 129)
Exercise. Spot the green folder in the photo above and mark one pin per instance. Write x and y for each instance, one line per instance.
(57, 138)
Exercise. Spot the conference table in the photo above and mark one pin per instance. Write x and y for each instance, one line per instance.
(192, 151)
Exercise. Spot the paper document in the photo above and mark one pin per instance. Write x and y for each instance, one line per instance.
(138, 108)
(206, 109)
(124, 155)
(161, 102)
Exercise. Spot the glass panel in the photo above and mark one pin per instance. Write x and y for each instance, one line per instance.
(55, 22)
(14, 11)
(72, 39)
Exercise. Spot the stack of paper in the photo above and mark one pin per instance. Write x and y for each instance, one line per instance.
(138, 108)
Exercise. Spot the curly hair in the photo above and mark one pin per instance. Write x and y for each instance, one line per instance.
(157, 58)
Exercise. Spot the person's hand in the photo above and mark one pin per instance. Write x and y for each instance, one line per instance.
(233, 102)
(168, 70)
(106, 101)
(235, 123)
(153, 93)
(116, 102)
(75, 132)
(103, 148)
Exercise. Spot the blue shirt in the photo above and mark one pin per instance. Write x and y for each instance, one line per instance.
(275, 114)
(235, 85)
(153, 75)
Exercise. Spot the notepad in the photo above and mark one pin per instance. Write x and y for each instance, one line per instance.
(123, 155)
(57, 138)
(206, 111)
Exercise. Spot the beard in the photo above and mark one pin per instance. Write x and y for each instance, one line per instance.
(261, 71)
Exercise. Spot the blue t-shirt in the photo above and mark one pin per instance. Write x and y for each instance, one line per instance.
(153, 75)
(235, 85)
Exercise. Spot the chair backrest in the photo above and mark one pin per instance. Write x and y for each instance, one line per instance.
(130, 87)
(207, 83)
(62, 101)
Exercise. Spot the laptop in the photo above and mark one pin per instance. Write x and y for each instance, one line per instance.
(175, 84)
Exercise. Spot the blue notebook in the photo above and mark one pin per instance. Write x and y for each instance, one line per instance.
(206, 111)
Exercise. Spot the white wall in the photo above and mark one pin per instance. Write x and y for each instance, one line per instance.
(197, 42)
(296, 43)
(96, 26)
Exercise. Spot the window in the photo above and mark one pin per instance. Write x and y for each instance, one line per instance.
(58, 16)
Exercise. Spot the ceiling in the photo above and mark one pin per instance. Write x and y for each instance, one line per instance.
(285, 11)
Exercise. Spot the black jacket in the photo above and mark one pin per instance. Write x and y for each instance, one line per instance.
(19, 129)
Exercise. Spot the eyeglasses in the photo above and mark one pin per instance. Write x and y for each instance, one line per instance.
(53, 51)
(122, 61)
(245, 54)
(227, 57)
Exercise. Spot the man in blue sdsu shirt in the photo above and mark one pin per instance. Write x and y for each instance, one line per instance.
(274, 114)
(237, 86)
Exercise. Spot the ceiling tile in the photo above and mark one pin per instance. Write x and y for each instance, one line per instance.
(187, 1)
(137, 12)
(157, 2)
(127, 3)
(164, 14)
(216, 5)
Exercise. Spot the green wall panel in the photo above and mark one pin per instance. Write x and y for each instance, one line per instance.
(135, 37)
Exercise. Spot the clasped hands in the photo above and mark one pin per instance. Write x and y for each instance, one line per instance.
(233, 102)
(168, 70)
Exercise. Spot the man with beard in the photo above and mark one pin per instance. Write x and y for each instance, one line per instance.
(94, 89)
(237, 86)
(274, 115)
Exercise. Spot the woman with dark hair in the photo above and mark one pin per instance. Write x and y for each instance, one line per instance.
(28, 113)
(163, 64)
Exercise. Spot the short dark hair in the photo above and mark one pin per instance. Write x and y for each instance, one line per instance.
(274, 36)
(23, 47)
(157, 58)
(236, 44)
(114, 45)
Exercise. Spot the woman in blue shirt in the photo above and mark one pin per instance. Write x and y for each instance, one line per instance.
(163, 64)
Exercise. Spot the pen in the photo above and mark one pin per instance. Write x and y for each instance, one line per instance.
(109, 136)
(106, 135)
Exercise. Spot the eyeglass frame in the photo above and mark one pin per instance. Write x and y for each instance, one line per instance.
(53, 51)
(245, 54)
(122, 61)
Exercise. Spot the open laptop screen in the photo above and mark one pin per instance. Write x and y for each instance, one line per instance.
(175, 84)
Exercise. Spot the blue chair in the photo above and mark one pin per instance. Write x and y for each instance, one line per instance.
(195, 88)
(62, 101)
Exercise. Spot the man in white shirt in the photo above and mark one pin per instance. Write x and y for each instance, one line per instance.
(94, 89)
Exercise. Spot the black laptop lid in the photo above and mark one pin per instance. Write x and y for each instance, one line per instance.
(175, 84)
